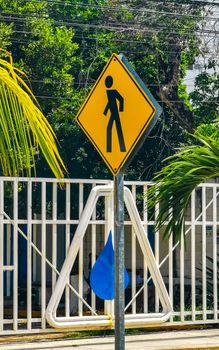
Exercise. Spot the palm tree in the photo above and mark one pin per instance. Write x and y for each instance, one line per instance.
(23, 128)
(174, 183)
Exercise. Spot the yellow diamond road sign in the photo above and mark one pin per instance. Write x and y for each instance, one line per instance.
(117, 113)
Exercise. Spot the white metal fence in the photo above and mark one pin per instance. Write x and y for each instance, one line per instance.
(38, 218)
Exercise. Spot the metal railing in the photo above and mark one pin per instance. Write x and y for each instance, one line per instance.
(38, 219)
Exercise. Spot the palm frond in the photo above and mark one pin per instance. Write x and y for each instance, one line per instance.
(23, 128)
(174, 184)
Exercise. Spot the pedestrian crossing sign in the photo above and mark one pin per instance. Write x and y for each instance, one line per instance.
(118, 113)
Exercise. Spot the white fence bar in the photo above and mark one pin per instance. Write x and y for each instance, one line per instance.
(106, 233)
(15, 256)
(170, 279)
(81, 254)
(215, 260)
(34, 254)
(93, 253)
(54, 232)
(29, 255)
(108, 304)
(133, 259)
(67, 243)
(8, 259)
(193, 281)
(43, 250)
(145, 268)
(110, 205)
(182, 279)
(204, 293)
(157, 255)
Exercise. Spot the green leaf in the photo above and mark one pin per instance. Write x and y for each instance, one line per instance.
(23, 127)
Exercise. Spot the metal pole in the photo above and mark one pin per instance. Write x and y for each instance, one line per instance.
(119, 262)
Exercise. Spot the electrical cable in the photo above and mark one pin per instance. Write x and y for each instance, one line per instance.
(55, 81)
(121, 29)
(108, 39)
(185, 2)
(164, 13)
(207, 18)
(22, 41)
(160, 101)
(131, 9)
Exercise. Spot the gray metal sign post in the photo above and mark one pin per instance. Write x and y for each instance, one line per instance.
(119, 262)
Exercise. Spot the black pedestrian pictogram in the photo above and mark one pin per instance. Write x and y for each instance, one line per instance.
(112, 106)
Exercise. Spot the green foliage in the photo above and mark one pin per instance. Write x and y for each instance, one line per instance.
(5, 32)
(23, 127)
(63, 47)
(194, 163)
(175, 182)
(206, 94)
(186, 59)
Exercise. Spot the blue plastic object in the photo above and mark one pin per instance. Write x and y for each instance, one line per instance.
(102, 274)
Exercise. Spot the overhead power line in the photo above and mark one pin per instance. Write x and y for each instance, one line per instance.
(160, 101)
(132, 9)
(96, 38)
(57, 81)
(112, 28)
(146, 10)
(200, 2)
(22, 41)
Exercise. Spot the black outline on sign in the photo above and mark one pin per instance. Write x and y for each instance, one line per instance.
(114, 56)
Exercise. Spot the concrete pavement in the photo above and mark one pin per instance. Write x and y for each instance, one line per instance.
(171, 340)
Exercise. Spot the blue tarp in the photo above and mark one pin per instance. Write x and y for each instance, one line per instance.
(102, 274)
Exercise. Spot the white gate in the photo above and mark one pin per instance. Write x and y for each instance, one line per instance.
(38, 219)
